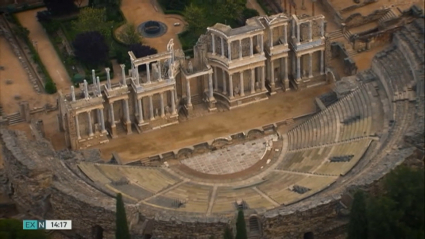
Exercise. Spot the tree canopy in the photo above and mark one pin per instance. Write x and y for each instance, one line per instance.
(398, 212)
(122, 231)
(93, 19)
(60, 7)
(227, 233)
(195, 16)
(129, 34)
(90, 48)
(12, 229)
(357, 228)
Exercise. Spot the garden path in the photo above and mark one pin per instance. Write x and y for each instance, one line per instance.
(45, 49)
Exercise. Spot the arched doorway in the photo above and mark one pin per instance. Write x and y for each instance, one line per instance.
(254, 226)
(97, 232)
(308, 235)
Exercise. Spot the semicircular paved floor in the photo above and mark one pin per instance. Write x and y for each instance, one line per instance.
(232, 159)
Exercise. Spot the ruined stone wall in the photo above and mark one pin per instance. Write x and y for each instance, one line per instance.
(198, 230)
(357, 19)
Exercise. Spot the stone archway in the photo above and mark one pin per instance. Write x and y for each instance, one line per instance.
(254, 226)
(308, 235)
(97, 232)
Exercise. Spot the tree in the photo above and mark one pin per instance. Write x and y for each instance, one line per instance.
(50, 87)
(90, 48)
(92, 19)
(122, 231)
(140, 50)
(398, 212)
(12, 228)
(240, 226)
(231, 9)
(227, 233)
(60, 7)
(196, 18)
(129, 34)
(357, 228)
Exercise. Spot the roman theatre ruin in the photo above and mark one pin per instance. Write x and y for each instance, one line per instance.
(294, 184)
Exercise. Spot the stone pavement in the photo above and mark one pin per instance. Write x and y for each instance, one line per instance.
(230, 160)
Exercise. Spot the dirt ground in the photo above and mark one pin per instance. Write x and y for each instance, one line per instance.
(139, 11)
(20, 86)
(202, 129)
(45, 49)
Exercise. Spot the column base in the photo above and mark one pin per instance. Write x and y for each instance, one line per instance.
(286, 85)
(128, 128)
(114, 131)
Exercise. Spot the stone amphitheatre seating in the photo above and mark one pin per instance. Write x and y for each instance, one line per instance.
(349, 118)
(316, 160)
(227, 196)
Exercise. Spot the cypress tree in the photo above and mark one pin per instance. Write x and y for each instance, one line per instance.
(240, 226)
(121, 232)
(358, 226)
(227, 233)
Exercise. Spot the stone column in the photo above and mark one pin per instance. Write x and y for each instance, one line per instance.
(148, 73)
(240, 49)
(126, 111)
(310, 31)
(102, 121)
(90, 123)
(111, 109)
(286, 69)
(322, 28)
(231, 86)
(161, 99)
(222, 46)
(77, 127)
(229, 50)
(263, 78)
(241, 83)
(93, 75)
(322, 62)
(298, 32)
(123, 74)
(159, 71)
(310, 65)
(298, 67)
(272, 83)
(210, 86)
(72, 93)
(252, 81)
(189, 97)
(215, 79)
(285, 34)
(271, 38)
(151, 115)
(251, 47)
(224, 82)
(136, 75)
(262, 44)
(140, 106)
(293, 29)
(213, 43)
(108, 78)
(173, 103)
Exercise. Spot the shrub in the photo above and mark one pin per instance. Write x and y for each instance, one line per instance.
(50, 87)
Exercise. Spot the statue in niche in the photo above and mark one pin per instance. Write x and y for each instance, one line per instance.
(156, 112)
(275, 79)
(257, 85)
(190, 66)
(170, 71)
(167, 109)
(236, 90)
(304, 73)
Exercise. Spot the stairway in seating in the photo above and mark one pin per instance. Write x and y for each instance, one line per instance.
(335, 34)
(388, 16)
